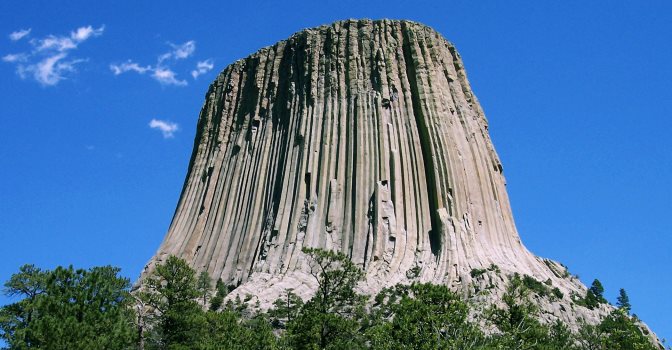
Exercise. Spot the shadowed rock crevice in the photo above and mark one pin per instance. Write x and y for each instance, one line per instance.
(424, 143)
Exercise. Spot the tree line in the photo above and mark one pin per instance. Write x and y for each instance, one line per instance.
(177, 308)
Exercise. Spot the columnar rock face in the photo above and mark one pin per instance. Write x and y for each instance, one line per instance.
(360, 136)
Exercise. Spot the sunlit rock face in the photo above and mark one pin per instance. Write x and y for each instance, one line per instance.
(359, 136)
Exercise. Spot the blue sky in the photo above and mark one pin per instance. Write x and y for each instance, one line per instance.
(99, 101)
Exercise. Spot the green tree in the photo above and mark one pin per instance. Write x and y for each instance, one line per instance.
(623, 301)
(285, 309)
(421, 316)
(16, 319)
(597, 289)
(204, 285)
(622, 333)
(617, 331)
(560, 337)
(261, 333)
(331, 319)
(590, 337)
(221, 291)
(227, 330)
(68, 309)
(595, 295)
(171, 292)
(517, 321)
(29, 282)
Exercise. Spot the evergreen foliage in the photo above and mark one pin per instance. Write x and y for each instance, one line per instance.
(620, 332)
(598, 290)
(421, 316)
(517, 321)
(220, 292)
(204, 285)
(285, 309)
(67, 309)
(594, 296)
(332, 318)
(171, 292)
(227, 330)
(623, 301)
(93, 309)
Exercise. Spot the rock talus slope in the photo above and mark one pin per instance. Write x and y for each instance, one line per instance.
(360, 136)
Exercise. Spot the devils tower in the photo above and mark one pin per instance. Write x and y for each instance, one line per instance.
(363, 137)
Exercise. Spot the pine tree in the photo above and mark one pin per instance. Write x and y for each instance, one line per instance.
(221, 291)
(421, 316)
(68, 309)
(204, 284)
(171, 292)
(623, 301)
(622, 333)
(518, 320)
(598, 291)
(331, 319)
(595, 295)
(285, 309)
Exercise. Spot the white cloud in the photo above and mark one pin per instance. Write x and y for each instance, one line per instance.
(48, 62)
(167, 77)
(65, 43)
(185, 50)
(19, 34)
(162, 70)
(15, 57)
(167, 128)
(129, 66)
(202, 67)
(55, 43)
(50, 70)
(83, 33)
(179, 52)
(161, 74)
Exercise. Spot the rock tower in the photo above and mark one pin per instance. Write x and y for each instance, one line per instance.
(359, 136)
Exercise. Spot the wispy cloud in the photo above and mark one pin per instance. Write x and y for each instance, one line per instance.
(163, 75)
(202, 67)
(163, 71)
(179, 52)
(167, 77)
(19, 34)
(52, 69)
(48, 61)
(15, 57)
(185, 50)
(84, 33)
(129, 66)
(166, 127)
(65, 43)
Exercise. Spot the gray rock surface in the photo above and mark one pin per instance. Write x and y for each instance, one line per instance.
(363, 137)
